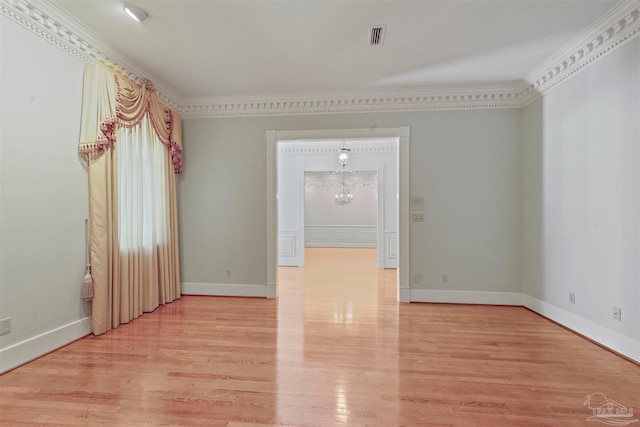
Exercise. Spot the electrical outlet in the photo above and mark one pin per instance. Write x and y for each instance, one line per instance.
(445, 279)
(572, 297)
(228, 273)
(617, 314)
(417, 277)
(5, 326)
(418, 217)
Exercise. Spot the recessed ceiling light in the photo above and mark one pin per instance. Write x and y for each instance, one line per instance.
(136, 13)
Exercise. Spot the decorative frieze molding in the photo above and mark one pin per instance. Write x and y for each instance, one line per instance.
(49, 29)
(65, 32)
(314, 150)
(445, 98)
(612, 30)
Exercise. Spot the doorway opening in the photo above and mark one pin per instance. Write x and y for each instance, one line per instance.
(341, 210)
(275, 138)
(321, 205)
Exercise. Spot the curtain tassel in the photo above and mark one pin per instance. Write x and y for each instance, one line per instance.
(87, 284)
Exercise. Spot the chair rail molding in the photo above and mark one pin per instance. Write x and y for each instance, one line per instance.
(612, 30)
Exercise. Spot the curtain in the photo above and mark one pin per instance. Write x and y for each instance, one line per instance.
(131, 142)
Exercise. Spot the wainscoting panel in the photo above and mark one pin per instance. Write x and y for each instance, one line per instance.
(391, 249)
(340, 236)
(288, 248)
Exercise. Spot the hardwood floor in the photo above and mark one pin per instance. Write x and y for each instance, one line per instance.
(334, 349)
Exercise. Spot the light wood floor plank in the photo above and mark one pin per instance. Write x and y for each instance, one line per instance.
(335, 349)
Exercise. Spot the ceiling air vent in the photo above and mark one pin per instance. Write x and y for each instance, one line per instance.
(376, 35)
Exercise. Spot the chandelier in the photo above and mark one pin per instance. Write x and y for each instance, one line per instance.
(344, 197)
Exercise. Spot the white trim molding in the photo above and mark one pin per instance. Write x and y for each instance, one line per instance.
(437, 98)
(404, 293)
(404, 246)
(65, 32)
(290, 249)
(616, 27)
(619, 25)
(49, 28)
(466, 297)
(30, 349)
(385, 147)
(224, 290)
(272, 211)
(604, 336)
(390, 242)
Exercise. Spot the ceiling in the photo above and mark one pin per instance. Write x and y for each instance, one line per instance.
(253, 48)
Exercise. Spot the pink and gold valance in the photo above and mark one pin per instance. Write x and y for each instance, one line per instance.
(111, 100)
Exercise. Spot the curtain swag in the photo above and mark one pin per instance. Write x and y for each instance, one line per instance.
(131, 141)
(111, 100)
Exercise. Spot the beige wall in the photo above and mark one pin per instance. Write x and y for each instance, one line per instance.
(466, 164)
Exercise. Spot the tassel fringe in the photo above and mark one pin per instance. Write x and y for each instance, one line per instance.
(87, 284)
(87, 287)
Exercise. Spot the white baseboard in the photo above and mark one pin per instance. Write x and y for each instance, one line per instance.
(271, 290)
(226, 290)
(34, 347)
(608, 338)
(404, 295)
(466, 297)
(290, 262)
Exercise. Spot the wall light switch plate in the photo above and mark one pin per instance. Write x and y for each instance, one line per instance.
(417, 203)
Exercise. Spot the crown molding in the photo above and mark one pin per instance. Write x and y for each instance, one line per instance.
(436, 98)
(619, 25)
(65, 32)
(372, 147)
(321, 151)
(50, 29)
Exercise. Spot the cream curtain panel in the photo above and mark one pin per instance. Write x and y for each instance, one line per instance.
(132, 144)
